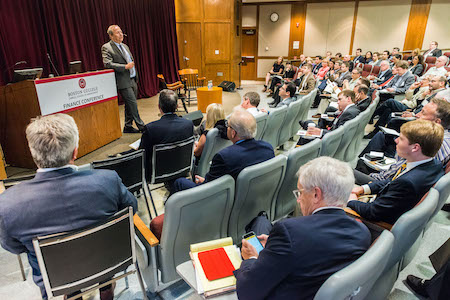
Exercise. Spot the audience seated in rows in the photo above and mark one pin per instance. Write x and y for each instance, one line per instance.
(287, 76)
(244, 152)
(59, 198)
(277, 69)
(287, 94)
(437, 111)
(215, 118)
(418, 143)
(301, 253)
(169, 129)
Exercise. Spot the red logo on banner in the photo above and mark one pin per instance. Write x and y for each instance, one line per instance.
(82, 83)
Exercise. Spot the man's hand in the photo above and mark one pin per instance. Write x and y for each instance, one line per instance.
(391, 90)
(415, 85)
(375, 86)
(129, 65)
(199, 179)
(263, 239)
(358, 190)
(407, 114)
(263, 110)
(248, 250)
(313, 131)
(371, 77)
(352, 197)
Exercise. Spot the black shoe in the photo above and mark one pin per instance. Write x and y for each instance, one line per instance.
(417, 285)
(270, 103)
(446, 207)
(273, 105)
(130, 130)
(370, 135)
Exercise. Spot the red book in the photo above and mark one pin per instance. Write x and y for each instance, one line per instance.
(216, 264)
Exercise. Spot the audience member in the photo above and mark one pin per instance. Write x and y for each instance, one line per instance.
(362, 100)
(338, 55)
(358, 57)
(287, 94)
(215, 118)
(384, 75)
(368, 57)
(417, 65)
(288, 76)
(323, 70)
(395, 58)
(308, 82)
(169, 129)
(244, 152)
(439, 68)
(301, 253)
(277, 69)
(399, 84)
(344, 75)
(251, 102)
(351, 63)
(433, 50)
(356, 74)
(302, 60)
(375, 59)
(385, 55)
(418, 143)
(329, 56)
(415, 52)
(59, 198)
(317, 64)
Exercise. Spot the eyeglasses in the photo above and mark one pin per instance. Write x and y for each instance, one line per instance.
(297, 193)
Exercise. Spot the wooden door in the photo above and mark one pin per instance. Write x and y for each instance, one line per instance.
(249, 51)
(190, 45)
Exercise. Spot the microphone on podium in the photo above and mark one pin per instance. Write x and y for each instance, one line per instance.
(51, 63)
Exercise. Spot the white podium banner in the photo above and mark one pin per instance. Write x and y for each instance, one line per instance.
(72, 92)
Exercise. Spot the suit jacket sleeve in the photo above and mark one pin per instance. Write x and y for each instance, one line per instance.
(257, 277)
(126, 198)
(8, 242)
(108, 61)
(383, 206)
(218, 168)
(408, 82)
(376, 185)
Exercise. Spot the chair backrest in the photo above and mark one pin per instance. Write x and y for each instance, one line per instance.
(10, 182)
(213, 144)
(406, 56)
(310, 99)
(430, 60)
(261, 123)
(331, 141)
(355, 281)
(375, 71)
(129, 167)
(286, 127)
(443, 187)
(274, 123)
(410, 226)
(192, 216)
(195, 116)
(296, 157)
(301, 115)
(447, 54)
(427, 67)
(83, 253)
(256, 190)
(172, 160)
(350, 129)
(189, 77)
(367, 69)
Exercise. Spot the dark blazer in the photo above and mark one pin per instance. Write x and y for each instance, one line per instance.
(383, 78)
(343, 76)
(349, 114)
(233, 159)
(395, 197)
(362, 105)
(316, 68)
(405, 82)
(113, 58)
(300, 254)
(417, 69)
(58, 201)
(359, 59)
(170, 128)
(436, 52)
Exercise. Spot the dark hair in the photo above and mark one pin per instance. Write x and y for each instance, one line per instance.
(319, 57)
(370, 54)
(339, 54)
(348, 93)
(398, 56)
(442, 111)
(421, 59)
(360, 50)
(168, 101)
(387, 52)
(396, 48)
(362, 88)
(364, 81)
(290, 88)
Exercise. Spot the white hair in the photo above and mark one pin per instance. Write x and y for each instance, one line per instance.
(52, 140)
(243, 122)
(384, 62)
(334, 178)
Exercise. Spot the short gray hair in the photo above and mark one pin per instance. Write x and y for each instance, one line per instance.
(334, 178)
(52, 140)
(384, 62)
(243, 122)
(110, 30)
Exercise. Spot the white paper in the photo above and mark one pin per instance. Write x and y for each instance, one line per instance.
(136, 144)
(296, 45)
(389, 131)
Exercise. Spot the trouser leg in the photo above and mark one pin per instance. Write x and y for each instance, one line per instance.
(131, 109)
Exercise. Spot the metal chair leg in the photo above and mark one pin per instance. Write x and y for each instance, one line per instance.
(147, 190)
(141, 282)
(22, 271)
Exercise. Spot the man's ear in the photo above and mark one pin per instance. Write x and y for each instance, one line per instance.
(318, 197)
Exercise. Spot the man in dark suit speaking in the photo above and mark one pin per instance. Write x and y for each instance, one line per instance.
(59, 198)
(116, 55)
(301, 253)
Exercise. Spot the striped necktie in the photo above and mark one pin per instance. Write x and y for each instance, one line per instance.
(402, 168)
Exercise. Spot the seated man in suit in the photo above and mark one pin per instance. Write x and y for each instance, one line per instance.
(401, 82)
(383, 76)
(433, 50)
(60, 198)
(351, 65)
(245, 151)
(362, 100)
(169, 129)
(301, 253)
(250, 102)
(358, 57)
(287, 95)
(418, 143)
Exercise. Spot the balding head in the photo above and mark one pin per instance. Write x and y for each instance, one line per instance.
(241, 125)
(441, 61)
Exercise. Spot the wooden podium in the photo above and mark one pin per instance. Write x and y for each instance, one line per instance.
(98, 122)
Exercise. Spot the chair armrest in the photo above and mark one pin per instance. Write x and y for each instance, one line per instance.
(355, 215)
(145, 232)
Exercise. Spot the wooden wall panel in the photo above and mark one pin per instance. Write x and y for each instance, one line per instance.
(188, 10)
(217, 37)
(417, 24)
(218, 10)
(298, 16)
(212, 70)
(192, 48)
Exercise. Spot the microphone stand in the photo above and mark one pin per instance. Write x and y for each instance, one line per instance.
(51, 63)
(240, 63)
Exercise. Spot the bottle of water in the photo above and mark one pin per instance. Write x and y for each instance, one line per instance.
(210, 84)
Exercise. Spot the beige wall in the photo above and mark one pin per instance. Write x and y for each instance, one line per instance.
(438, 24)
(275, 36)
(249, 16)
(264, 66)
(328, 27)
(381, 25)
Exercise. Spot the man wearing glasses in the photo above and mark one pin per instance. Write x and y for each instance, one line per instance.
(301, 253)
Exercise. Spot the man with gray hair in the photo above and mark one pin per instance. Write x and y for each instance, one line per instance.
(301, 253)
(250, 102)
(59, 198)
(244, 152)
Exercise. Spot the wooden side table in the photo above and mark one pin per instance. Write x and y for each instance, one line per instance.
(207, 96)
